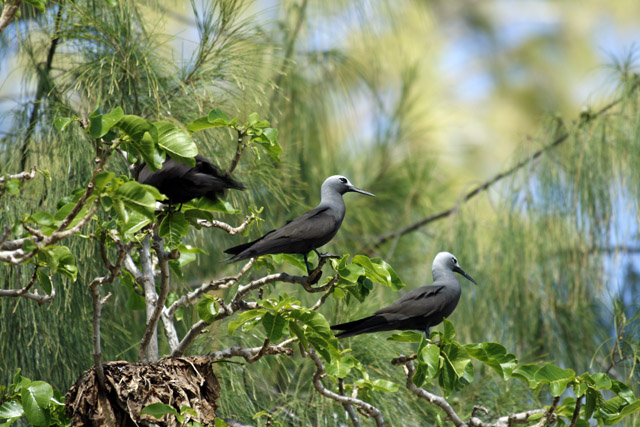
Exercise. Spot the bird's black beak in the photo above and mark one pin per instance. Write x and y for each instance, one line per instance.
(461, 271)
(357, 190)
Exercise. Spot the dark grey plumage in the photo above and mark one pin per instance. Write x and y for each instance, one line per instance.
(307, 232)
(182, 183)
(418, 309)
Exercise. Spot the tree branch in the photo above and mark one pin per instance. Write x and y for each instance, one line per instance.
(24, 292)
(576, 412)
(8, 12)
(347, 406)
(487, 184)
(23, 176)
(226, 227)
(157, 302)
(239, 149)
(369, 409)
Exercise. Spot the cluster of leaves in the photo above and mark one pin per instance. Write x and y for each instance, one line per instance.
(37, 401)
(449, 363)
(159, 410)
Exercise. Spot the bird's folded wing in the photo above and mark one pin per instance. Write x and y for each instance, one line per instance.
(421, 302)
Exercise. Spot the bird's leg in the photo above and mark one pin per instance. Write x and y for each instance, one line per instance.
(306, 262)
(325, 255)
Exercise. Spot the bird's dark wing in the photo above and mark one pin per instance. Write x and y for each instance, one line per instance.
(419, 302)
(314, 226)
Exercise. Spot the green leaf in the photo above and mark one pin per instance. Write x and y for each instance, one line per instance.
(273, 326)
(136, 197)
(218, 206)
(173, 227)
(38, 4)
(406, 336)
(592, 401)
(622, 390)
(11, 409)
(13, 186)
(61, 123)
(429, 355)
(207, 308)
(44, 280)
(145, 137)
(42, 218)
(102, 180)
(245, 317)
(341, 366)
(268, 140)
(297, 330)
(177, 142)
(315, 321)
(557, 378)
(158, 410)
(253, 119)
(100, 124)
(351, 272)
(384, 385)
(379, 271)
(221, 423)
(527, 373)
(59, 259)
(35, 399)
(626, 411)
(495, 356)
(216, 118)
(449, 330)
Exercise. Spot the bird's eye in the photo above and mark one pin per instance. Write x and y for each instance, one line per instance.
(454, 261)
(343, 180)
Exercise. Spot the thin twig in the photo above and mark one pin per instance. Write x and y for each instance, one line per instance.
(576, 412)
(226, 227)
(487, 184)
(97, 315)
(347, 406)
(239, 150)
(24, 292)
(368, 409)
(410, 370)
(23, 176)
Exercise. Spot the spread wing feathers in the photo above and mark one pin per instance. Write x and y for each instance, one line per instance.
(299, 235)
(405, 313)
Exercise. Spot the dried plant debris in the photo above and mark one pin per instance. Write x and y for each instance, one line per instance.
(178, 382)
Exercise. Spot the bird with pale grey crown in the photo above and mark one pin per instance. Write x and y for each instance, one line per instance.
(419, 309)
(307, 232)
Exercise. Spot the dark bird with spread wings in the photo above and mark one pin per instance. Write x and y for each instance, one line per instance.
(182, 183)
(307, 232)
(419, 309)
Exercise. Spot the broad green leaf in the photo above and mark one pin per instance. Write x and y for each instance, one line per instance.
(218, 206)
(253, 119)
(100, 124)
(135, 222)
(59, 259)
(601, 381)
(102, 180)
(429, 355)
(351, 272)
(379, 271)
(297, 330)
(158, 410)
(449, 330)
(34, 403)
(13, 186)
(61, 123)
(207, 308)
(406, 336)
(45, 281)
(626, 411)
(216, 118)
(173, 227)
(622, 390)
(341, 366)
(38, 4)
(556, 377)
(495, 356)
(245, 317)
(268, 140)
(144, 138)
(527, 373)
(11, 409)
(315, 321)
(222, 423)
(274, 326)
(457, 356)
(384, 385)
(136, 197)
(592, 401)
(177, 142)
(42, 218)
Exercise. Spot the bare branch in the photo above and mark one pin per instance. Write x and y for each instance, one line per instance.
(157, 302)
(226, 227)
(576, 412)
(490, 182)
(410, 370)
(8, 13)
(24, 292)
(369, 409)
(23, 176)
(239, 149)
(348, 407)
(249, 354)
(97, 315)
